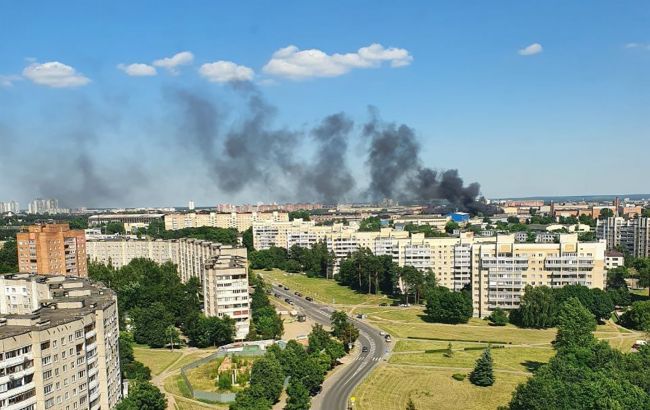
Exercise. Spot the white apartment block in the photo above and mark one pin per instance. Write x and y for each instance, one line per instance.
(225, 290)
(498, 267)
(193, 257)
(237, 220)
(633, 235)
(58, 344)
(11, 206)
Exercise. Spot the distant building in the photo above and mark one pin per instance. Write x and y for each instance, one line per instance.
(190, 205)
(52, 249)
(632, 235)
(139, 220)
(11, 206)
(58, 344)
(614, 259)
(459, 217)
(237, 220)
(46, 206)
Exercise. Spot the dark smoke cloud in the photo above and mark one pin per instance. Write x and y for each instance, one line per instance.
(397, 172)
(329, 176)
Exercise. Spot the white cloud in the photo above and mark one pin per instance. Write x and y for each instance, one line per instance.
(226, 71)
(172, 63)
(296, 64)
(137, 69)
(531, 50)
(643, 46)
(54, 74)
(9, 80)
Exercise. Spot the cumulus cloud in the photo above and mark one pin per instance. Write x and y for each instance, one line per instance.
(531, 50)
(137, 69)
(225, 71)
(172, 63)
(54, 74)
(293, 63)
(9, 80)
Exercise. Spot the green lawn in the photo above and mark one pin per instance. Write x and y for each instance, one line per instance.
(521, 359)
(176, 386)
(155, 359)
(187, 359)
(324, 290)
(390, 387)
(204, 376)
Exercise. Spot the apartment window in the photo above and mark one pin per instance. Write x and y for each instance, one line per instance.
(49, 403)
(48, 389)
(47, 375)
(46, 360)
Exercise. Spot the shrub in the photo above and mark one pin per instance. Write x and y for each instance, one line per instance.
(459, 376)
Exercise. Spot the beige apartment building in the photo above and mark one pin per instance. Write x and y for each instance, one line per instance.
(633, 235)
(501, 269)
(52, 249)
(498, 267)
(58, 344)
(237, 220)
(225, 290)
(194, 258)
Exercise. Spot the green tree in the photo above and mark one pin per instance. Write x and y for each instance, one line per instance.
(150, 324)
(298, 397)
(342, 329)
(247, 239)
(9, 257)
(483, 374)
(299, 214)
(267, 378)
(370, 224)
(575, 324)
(172, 335)
(113, 228)
(498, 317)
(537, 308)
(224, 381)
(445, 306)
(451, 226)
(136, 371)
(605, 213)
(143, 396)
(638, 316)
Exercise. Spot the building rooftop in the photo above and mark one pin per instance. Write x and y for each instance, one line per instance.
(67, 299)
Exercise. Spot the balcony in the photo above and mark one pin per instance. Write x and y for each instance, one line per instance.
(22, 405)
(91, 334)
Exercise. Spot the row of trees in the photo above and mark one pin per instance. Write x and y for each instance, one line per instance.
(539, 306)
(265, 322)
(9, 257)
(314, 261)
(305, 369)
(585, 373)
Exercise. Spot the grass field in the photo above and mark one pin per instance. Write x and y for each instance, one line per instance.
(187, 359)
(184, 404)
(155, 359)
(390, 387)
(324, 290)
(204, 376)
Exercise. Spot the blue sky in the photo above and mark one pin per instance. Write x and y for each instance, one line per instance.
(570, 116)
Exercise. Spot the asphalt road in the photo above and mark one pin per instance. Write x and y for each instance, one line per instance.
(336, 392)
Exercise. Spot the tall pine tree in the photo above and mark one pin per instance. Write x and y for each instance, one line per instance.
(483, 375)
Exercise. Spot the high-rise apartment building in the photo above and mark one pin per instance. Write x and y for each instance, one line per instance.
(44, 206)
(58, 344)
(10, 206)
(52, 249)
(222, 269)
(632, 235)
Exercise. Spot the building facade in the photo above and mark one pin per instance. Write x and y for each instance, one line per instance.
(236, 220)
(52, 249)
(58, 344)
(11, 206)
(194, 258)
(140, 220)
(632, 235)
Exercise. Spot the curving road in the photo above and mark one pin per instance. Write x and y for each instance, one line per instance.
(337, 388)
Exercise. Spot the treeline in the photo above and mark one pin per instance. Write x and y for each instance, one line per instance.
(314, 261)
(155, 300)
(305, 369)
(585, 373)
(540, 305)
(227, 236)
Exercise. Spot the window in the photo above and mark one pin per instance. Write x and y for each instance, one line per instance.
(48, 389)
(46, 360)
(47, 375)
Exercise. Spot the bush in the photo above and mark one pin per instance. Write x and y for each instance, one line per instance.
(459, 376)
(225, 381)
(638, 316)
(499, 317)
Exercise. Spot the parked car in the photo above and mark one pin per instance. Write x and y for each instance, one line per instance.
(297, 294)
(364, 349)
(387, 338)
(277, 295)
(404, 304)
(309, 299)
(287, 300)
(382, 333)
(285, 287)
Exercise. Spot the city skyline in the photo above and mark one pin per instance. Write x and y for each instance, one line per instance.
(474, 90)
